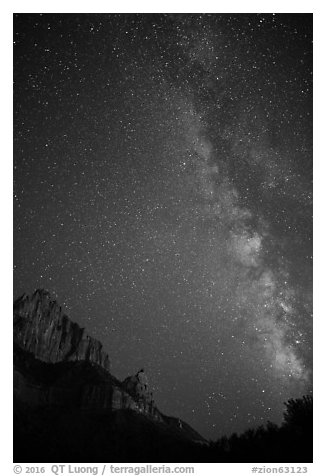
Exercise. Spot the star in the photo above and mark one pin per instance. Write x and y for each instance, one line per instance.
(163, 195)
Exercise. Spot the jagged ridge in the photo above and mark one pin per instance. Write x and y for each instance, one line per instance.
(41, 327)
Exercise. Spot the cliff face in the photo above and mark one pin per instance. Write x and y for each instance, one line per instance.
(58, 366)
(40, 327)
(42, 332)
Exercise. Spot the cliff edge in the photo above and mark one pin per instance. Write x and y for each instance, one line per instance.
(41, 327)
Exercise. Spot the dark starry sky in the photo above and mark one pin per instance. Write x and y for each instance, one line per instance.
(163, 194)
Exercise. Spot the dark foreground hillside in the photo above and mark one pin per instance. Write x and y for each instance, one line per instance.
(46, 434)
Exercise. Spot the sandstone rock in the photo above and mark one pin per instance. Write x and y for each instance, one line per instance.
(137, 386)
(56, 364)
(41, 328)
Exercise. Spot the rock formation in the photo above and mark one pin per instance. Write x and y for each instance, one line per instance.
(137, 386)
(41, 328)
(42, 332)
(58, 366)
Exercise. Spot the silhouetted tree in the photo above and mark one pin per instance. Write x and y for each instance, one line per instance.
(290, 442)
(299, 413)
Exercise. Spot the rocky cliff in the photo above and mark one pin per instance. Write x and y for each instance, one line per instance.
(59, 368)
(41, 327)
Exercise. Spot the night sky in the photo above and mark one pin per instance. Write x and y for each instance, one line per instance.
(163, 195)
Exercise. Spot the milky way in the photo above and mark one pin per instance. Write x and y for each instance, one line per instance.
(163, 194)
